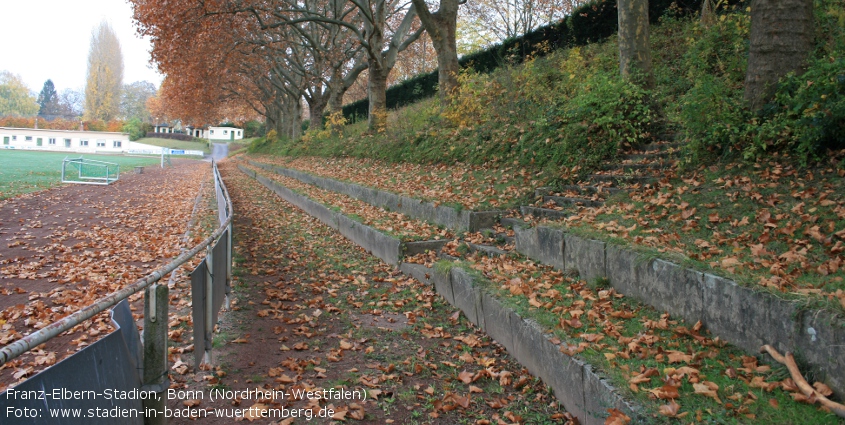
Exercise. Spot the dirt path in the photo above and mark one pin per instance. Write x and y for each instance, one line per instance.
(314, 312)
(63, 248)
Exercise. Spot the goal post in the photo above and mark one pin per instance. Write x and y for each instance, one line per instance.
(89, 171)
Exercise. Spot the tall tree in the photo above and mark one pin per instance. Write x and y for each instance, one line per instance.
(105, 75)
(441, 27)
(15, 97)
(781, 40)
(133, 101)
(48, 101)
(634, 47)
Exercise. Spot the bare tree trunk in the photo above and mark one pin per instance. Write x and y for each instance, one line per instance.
(271, 116)
(634, 47)
(316, 109)
(708, 13)
(377, 92)
(293, 118)
(315, 115)
(447, 71)
(336, 99)
(441, 27)
(339, 84)
(781, 40)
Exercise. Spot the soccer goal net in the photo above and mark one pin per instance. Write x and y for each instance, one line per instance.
(89, 171)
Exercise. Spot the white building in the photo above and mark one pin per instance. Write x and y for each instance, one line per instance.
(224, 133)
(80, 142)
(63, 140)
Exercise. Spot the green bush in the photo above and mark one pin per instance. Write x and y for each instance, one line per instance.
(136, 128)
(253, 128)
(806, 117)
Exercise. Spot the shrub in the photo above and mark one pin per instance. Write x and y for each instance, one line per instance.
(805, 118)
(136, 128)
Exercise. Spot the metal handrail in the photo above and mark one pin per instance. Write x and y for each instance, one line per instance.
(52, 330)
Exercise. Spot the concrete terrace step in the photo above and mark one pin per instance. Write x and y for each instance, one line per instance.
(575, 382)
(488, 250)
(439, 214)
(657, 146)
(580, 189)
(500, 237)
(565, 201)
(620, 179)
(735, 313)
(654, 156)
(580, 388)
(744, 316)
(544, 212)
(513, 223)
(636, 167)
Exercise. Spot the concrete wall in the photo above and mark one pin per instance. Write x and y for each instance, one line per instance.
(746, 317)
(439, 214)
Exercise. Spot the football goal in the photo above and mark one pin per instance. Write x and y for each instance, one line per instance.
(89, 171)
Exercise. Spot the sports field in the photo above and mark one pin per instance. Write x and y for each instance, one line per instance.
(29, 171)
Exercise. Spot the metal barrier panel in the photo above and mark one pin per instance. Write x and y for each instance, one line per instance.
(100, 384)
(219, 273)
(202, 340)
(221, 202)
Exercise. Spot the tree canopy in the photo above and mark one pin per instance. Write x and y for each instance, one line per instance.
(15, 97)
(133, 101)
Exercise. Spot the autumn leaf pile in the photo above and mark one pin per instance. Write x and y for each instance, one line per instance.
(95, 240)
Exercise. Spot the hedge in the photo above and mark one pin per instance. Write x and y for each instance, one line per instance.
(589, 23)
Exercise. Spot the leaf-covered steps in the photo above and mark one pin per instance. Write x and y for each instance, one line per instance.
(440, 214)
(743, 316)
(577, 399)
(387, 248)
(583, 392)
(739, 315)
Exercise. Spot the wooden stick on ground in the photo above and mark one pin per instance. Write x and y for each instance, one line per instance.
(802, 383)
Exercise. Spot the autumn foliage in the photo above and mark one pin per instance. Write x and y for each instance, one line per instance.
(114, 125)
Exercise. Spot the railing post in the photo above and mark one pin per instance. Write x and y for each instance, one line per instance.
(156, 302)
(209, 302)
(229, 266)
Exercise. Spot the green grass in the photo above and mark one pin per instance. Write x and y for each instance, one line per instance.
(175, 144)
(25, 171)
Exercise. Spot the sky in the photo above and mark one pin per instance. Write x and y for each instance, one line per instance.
(44, 39)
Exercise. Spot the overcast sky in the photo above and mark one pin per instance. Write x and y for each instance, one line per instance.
(44, 39)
